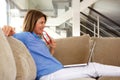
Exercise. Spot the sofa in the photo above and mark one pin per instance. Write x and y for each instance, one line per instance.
(76, 50)
(16, 63)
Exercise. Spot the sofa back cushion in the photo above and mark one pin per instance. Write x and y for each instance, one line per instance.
(7, 62)
(26, 69)
(110, 78)
(72, 50)
(107, 51)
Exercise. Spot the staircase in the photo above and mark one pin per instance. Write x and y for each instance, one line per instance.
(97, 24)
(92, 22)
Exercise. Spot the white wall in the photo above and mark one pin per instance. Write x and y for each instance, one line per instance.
(3, 14)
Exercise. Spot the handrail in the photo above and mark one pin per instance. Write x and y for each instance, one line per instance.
(87, 21)
(82, 32)
(87, 16)
(111, 29)
(94, 20)
(87, 28)
(100, 30)
(107, 26)
(102, 23)
(104, 16)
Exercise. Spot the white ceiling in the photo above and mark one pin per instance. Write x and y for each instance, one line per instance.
(109, 8)
(46, 6)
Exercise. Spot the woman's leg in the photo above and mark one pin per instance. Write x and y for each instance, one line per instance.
(71, 73)
(92, 70)
(106, 70)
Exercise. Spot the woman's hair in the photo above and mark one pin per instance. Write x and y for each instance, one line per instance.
(31, 18)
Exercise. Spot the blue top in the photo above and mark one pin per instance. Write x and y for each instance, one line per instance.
(44, 61)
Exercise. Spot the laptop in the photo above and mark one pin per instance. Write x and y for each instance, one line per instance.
(84, 64)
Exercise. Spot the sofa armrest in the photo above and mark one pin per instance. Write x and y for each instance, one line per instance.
(7, 62)
(26, 68)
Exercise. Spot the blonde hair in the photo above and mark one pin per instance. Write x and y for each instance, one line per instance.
(31, 18)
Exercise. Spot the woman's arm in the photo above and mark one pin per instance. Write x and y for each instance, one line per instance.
(8, 30)
(52, 46)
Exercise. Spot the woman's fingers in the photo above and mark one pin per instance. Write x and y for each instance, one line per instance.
(5, 30)
(8, 30)
(53, 43)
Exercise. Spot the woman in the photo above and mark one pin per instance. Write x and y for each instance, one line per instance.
(48, 68)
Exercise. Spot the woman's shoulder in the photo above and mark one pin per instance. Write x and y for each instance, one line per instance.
(25, 33)
(22, 35)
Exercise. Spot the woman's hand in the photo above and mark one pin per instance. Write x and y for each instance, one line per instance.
(8, 30)
(52, 46)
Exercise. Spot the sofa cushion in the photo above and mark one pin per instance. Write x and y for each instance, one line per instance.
(84, 79)
(26, 69)
(107, 51)
(7, 62)
(109, 78)
(72, 50)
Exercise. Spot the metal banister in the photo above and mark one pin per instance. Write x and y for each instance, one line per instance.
(104, 16)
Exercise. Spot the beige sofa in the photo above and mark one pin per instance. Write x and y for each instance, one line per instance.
(76, 50)
(16, 62)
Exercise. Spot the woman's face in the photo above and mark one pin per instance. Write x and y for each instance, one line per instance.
(39, 26)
